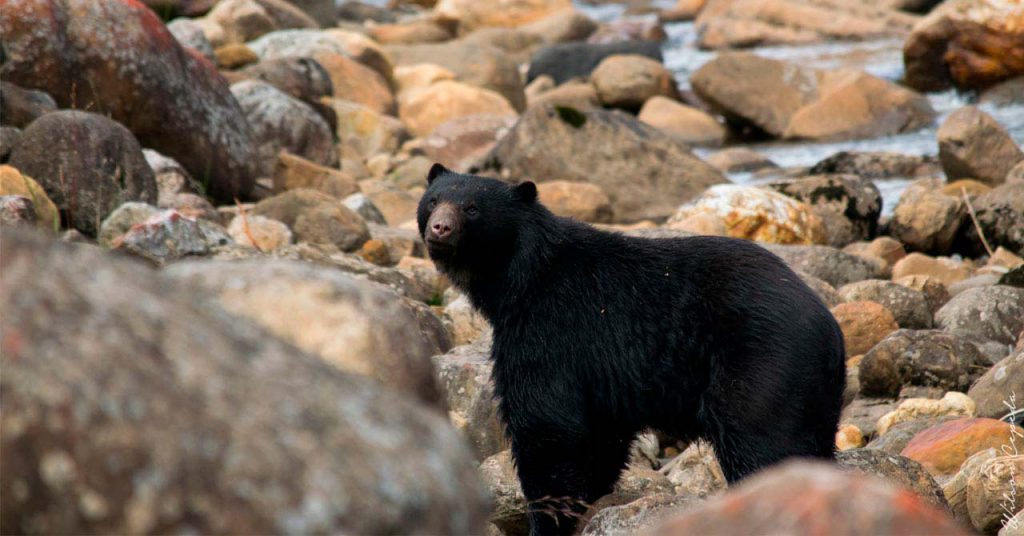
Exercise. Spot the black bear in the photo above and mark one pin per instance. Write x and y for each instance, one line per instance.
(599, 335)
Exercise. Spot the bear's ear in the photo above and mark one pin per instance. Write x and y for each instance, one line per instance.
(525, 191)
(436, 171)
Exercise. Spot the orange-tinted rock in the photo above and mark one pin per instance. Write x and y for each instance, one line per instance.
(424, 109)
(804, 499)
(579, 200)
(245, 20)
(416, 31)
(942, 448)
(356, 82)
(970, 44)
(849, 437)
(628, 80)
(117, 58)
(864, 324)
(757, 214)
(946, 270)
(885, 249)
(12, 182)
(478, 64)
(293, 172)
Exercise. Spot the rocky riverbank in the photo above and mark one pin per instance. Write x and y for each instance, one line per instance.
(219, 316)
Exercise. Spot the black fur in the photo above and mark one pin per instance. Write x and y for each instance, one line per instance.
(598, 335)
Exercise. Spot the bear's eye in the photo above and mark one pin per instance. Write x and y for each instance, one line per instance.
(431, 204)
(471, 210)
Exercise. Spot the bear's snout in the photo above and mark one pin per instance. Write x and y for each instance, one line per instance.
(443, 225)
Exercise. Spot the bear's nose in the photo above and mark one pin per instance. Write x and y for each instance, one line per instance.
(443, 225)
(441, 229)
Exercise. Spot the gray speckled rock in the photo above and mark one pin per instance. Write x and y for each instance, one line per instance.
(17, 210)
(190, 34)
(831, 265)
(133, 404)
(930, 358)
(991, 390)
(646, 173)
(848, 205)
(897, 469)
(509, 508)
(635, 517)
(281, 122)
(465, 374)
(316, 217)
(1000, 214)
(994, 313)
(908, 306)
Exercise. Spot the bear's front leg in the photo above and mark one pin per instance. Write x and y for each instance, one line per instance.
(552, 471)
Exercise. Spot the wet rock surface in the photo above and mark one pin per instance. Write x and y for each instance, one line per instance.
(790, 101)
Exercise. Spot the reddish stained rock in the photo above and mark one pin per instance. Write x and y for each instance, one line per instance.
(117, 58)
(87, 164)
(942, 448)
(805, 498)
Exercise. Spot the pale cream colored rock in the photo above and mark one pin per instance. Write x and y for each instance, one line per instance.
(467, 323)
(995, 489)
(424, 109)
(681, 121)
(259, 232)
(944, 269)
(420, 75)
(953, 403)
(473, 14)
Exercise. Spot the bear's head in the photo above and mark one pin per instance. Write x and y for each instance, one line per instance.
(471, 224)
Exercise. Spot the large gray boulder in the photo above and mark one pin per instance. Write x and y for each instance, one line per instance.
(133, 404)
(646, 173)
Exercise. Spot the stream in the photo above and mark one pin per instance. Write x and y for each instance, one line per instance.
(882, 58)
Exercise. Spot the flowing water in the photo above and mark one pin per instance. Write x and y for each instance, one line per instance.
(882, 58)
